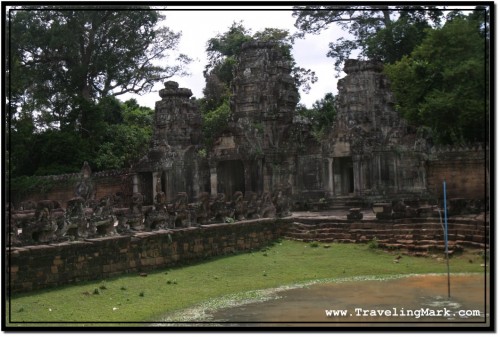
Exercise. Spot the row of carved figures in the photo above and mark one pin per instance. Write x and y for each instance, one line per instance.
(46, 221)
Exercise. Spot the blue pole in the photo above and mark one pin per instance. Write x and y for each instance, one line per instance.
(446, 236)
(445, 218)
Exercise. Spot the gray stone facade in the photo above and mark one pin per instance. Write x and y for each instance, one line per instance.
(170, 166)
(371, 150)
(369, 154)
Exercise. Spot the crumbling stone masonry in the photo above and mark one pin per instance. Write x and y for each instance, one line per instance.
(371, 151)
(255, 152)
(264, 162)
(170, 166)
(263, 149)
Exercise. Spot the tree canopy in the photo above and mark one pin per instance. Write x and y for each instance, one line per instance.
(120, 137)
(381, 32)
(223, 50)
(321, 115)
(442, 83)
(436, 60)
(66, 65)
(62, 58)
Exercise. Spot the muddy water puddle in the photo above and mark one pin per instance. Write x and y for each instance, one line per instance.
(416, 299)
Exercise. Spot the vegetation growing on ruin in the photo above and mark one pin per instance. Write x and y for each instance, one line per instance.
(223, 51)
(136, 298)
(214, 122)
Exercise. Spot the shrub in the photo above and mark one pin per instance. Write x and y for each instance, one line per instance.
(373, 244)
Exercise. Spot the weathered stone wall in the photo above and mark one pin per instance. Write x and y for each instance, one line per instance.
(62, 187)
(374, 152)
(418, 236)
(42, 266)
(465, 171)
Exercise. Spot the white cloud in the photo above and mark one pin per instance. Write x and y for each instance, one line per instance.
(198, 26)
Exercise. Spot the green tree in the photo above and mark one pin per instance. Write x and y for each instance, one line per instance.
(66, 64)
(442, 84)
(119, 139)
(321, 115)
(64, 58)
(215, 121)
(126, 134)
(379, 32)
(223, 51)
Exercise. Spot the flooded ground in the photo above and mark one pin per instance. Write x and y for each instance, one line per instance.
(415, 300)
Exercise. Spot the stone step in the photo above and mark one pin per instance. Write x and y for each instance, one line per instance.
(424, 245)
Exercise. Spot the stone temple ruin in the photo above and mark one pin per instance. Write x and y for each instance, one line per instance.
(265, 163)
(371, 151)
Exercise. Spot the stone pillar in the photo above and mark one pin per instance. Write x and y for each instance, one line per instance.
(379, 181)
(396, 175)
(291, 183)
(330, 177)
(196, 181)
(135, 183)
(356, 175)
(248, 175)
(267, 178)
(423, 182)
(166, 185)
(156, 176)
(213, 180)
(362, 175)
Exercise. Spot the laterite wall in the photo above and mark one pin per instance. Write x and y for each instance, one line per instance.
(43, 266)
(465, 171)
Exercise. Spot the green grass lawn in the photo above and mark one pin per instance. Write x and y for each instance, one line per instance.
(135, 298)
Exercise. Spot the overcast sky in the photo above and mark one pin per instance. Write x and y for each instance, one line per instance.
(198, 26)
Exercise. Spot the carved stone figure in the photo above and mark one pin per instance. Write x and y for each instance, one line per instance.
(219, 210)
(267, 208)
(281, 202)
(103, 219)
(253, 206)
(238, 205)
(136, 203)
(202, 211)
(76, 220)
(156, 218)
(182, 217)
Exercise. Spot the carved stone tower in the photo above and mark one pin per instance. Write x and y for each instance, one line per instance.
(372, 151)
(255, 153)
(170, 165)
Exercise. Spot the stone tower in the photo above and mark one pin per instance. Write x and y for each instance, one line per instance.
(177, 119)
(372, 150)
(264, 94)
(170, 165)
(264, 97)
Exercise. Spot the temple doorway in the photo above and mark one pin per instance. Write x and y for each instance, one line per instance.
(230, 177)
(343, 176)
(146, 187)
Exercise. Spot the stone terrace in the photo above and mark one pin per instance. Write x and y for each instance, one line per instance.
(43, 266)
